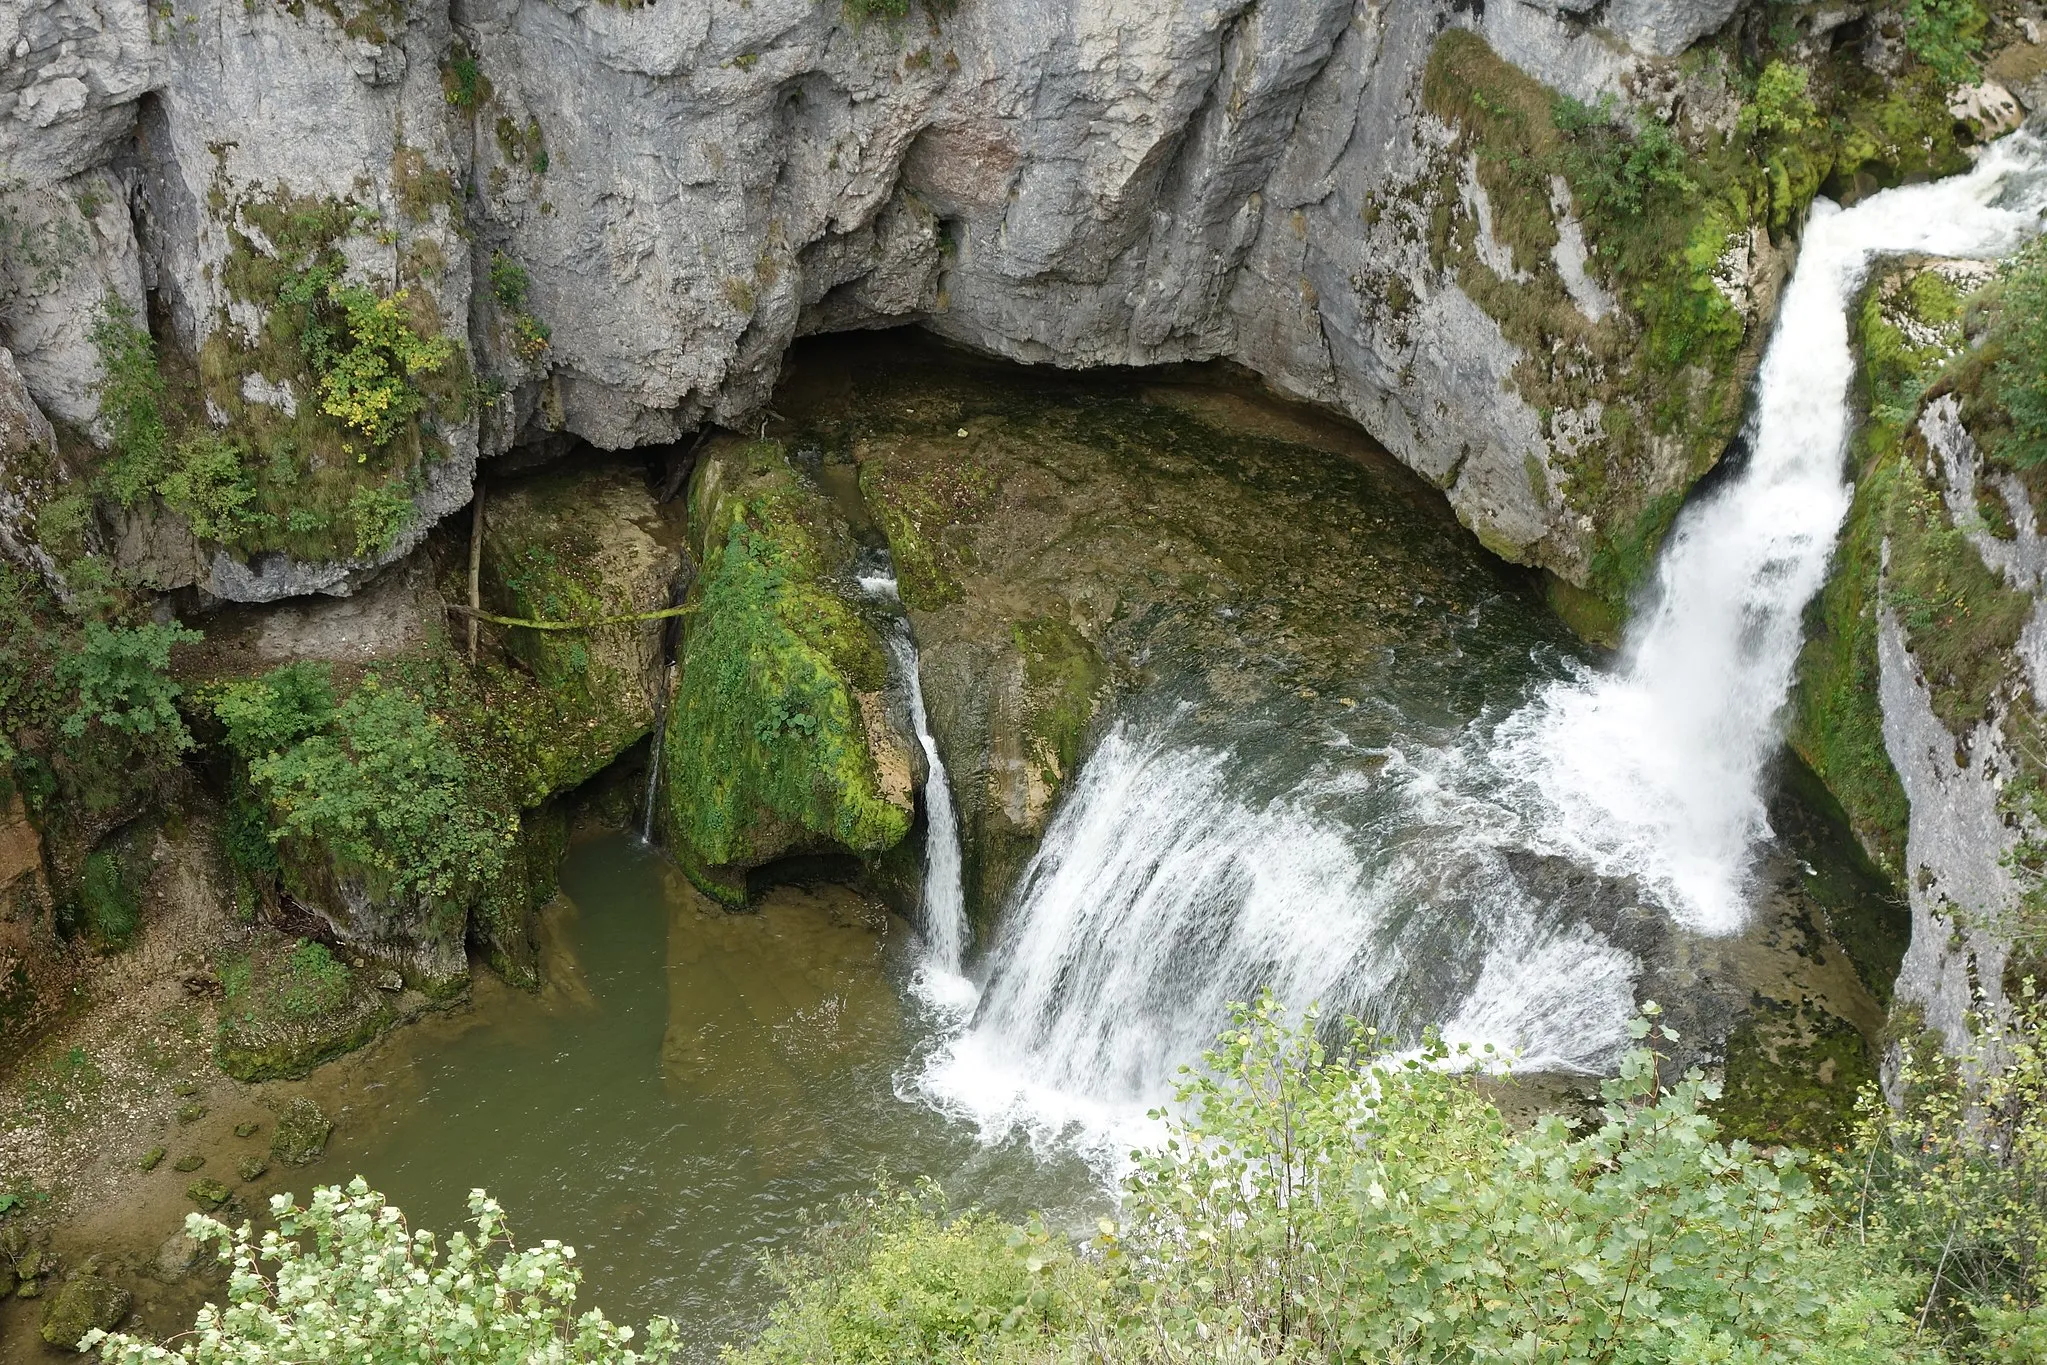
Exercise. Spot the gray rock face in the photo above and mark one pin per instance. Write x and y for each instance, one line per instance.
(690, 187)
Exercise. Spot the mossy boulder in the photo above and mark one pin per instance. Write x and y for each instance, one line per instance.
(289, 1007)
(87, 1301)
(302, 1132)
(208, 1193)
(779, 740)
(578, 545)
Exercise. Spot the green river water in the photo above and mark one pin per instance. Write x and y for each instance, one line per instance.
(691, 1085)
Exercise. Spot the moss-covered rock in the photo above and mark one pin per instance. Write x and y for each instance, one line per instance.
(88, 1300)
(290, 1007)
(208, 1193)
(301, 1133)
(778, 740)
(1792, 1077)
(583, 544)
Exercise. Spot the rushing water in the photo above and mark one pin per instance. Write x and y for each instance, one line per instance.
(1420, 887)
(942, 905)
(1654, 769)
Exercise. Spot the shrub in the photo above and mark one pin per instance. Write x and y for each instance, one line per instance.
(131, 401)
(1618, 167)
(1946, 35)
(1952, 1185)
(1354, 1204)
(1782, 103)
(2021, 368)
(208, 484)
(385, 790)
(267, 715)
(106, 896)
(122, 682)
(344, 1278)
(366, 354)
(380, 512)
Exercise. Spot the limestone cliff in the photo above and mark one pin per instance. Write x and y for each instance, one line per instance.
(625, 213)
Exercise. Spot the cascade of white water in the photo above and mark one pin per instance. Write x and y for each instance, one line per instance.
(1162, 890)
(1654, 769)
(944, 900)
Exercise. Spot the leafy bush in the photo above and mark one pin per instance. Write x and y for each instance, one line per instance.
(1953, 1186)
(344, 1278)
(1782, 102)
(208, 484)
(366, 354)
(1360, 1205)
(131, 401)
(1618, 167)
(267, 715)
(380, 512)
(2021, 368)
(122, 680)
(1946, 35)
(382, 786)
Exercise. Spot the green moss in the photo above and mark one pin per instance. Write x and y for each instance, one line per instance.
(1792, 1078)
(1836, 715)
(1960, 619)
(289, 1007)
(1063, 677)
(766, 745)
(923, 509)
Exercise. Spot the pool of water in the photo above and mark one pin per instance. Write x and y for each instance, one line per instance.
(690, 1087)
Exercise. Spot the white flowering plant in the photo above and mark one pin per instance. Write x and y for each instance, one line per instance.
(345, 1279)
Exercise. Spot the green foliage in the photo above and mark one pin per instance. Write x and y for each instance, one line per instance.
(380, 513)
(1360, 1205)
(2020, 371)
(1946, 35)
(463, 83)
(1953, 1185)
(1620, 168)
(509, 283)
(380, 785)
(132, 394)
(107, 897)
(123, 684)
(367, 354)
(899, 1279)
(1782, 103)
(344, 1278)
(310, 982)
(208, 484)
(267, 715)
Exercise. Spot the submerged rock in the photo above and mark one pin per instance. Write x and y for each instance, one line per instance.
(87, 1301)
(302, 1132)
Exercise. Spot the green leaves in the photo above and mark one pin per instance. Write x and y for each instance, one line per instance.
(132, 394)
(1946, 35)
(344, 1278)
(122, 680)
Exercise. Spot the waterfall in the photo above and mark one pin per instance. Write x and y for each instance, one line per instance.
(657, 741)
(1187, 867)
(1655, 769)
(940, 980)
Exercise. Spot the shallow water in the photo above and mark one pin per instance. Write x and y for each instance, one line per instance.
(689, 1085)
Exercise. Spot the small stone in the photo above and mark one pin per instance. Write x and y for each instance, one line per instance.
(151, 1159)
(88, 1300)
(28, 1289)
(29, 1264)
(191, 1113)
(185, 1089)
(250, 1167)
(248, 1129)
(302, 1132)
(176, 1256)
(208, 1193)
(391, 981)
(189, 1162)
